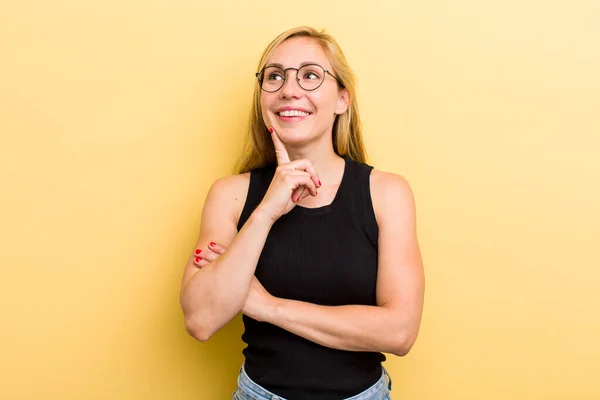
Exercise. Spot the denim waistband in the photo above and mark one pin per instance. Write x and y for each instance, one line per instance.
(254, 391)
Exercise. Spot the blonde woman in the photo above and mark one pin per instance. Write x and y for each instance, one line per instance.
(316, 248)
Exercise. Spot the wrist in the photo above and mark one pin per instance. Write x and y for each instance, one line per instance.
(260, 216)
(274, 311)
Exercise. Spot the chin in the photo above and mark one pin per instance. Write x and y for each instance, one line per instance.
(295, 136)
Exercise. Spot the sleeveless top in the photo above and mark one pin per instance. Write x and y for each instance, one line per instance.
(327, 256)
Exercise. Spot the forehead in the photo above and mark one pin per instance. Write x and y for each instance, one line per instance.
(299, 50)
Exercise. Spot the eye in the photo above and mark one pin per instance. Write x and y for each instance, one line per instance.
(274, 76)
(311, 75)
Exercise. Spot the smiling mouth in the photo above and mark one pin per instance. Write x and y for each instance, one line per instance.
(293, 113)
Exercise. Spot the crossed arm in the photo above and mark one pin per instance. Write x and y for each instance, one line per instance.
(392, 325)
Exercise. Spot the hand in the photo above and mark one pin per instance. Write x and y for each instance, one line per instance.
(259, 303)
(204, 256)
(292, 182)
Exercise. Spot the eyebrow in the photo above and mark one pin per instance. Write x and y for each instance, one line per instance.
(303, 63)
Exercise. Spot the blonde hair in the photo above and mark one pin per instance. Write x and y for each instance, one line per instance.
(347, 130)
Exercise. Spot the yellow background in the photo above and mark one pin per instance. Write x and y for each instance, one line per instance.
(116, 116)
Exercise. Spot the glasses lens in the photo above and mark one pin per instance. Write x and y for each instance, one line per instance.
(311, 76)
(271, 79)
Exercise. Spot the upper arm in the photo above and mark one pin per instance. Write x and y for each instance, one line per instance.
(400, 278)
(221, 212)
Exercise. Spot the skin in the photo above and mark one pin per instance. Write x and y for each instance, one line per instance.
(306, 162)
(309, 138)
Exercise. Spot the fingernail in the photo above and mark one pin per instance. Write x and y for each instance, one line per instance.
(198, 259)
(212, 244)
(320, 182)
(271, 130)
(198, 251)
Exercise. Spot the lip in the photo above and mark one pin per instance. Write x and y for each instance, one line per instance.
(287, 108)
(292, 119)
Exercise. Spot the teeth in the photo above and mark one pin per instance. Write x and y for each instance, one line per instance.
(293, 113)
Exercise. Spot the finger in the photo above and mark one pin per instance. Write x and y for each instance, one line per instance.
(270, 121)
(304, 195)
(301, 178)
(280, 150)
(217, 248)
(208, 255)
(200, 262)
(283, 157)
(306, 165)
(298, 194)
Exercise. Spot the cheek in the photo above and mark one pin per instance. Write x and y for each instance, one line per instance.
(264, 96)
(325, 105)
(269, 98)
(265, 106)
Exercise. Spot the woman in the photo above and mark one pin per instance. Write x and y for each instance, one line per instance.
(315, 247)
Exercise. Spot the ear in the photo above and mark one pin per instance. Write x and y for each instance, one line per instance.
(343, 102)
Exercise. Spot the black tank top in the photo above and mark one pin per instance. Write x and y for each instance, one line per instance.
(327, 256)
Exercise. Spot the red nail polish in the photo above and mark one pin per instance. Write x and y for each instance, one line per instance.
(271, 130)
(198, 251)
(212, 244)
(198, 259)
(320, 183)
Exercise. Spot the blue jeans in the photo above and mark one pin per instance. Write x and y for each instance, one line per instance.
(249, 390)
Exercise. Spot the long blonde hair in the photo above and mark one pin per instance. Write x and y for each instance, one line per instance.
(347, 130)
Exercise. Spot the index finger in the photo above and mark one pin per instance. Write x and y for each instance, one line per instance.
(280, 150)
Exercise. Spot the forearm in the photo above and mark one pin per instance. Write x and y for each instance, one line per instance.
(349, 327)
(217, 292)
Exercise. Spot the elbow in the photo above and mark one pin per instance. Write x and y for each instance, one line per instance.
(199, 331)
(401, 350)
(202, 324)
(402, 345)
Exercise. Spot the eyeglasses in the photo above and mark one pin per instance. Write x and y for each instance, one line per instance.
(309, 77)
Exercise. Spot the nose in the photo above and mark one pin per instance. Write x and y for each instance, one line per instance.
(291, 88)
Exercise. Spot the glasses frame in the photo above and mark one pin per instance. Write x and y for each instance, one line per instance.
(285, 77)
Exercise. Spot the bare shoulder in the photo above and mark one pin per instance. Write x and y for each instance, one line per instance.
(229, 192)
(220, 214)
(232, 183)
(391, 193)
